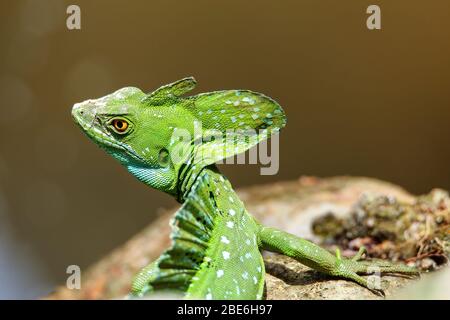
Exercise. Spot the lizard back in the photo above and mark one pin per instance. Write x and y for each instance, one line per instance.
(233, 267)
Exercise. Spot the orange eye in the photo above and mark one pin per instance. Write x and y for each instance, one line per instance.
(120, 125)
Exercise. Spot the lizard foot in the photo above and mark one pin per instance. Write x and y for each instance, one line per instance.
(353, 267)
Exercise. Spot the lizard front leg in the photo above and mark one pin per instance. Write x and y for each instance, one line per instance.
(321, 260)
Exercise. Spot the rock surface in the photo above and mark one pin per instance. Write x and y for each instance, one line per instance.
(290, 206)
(287, 279)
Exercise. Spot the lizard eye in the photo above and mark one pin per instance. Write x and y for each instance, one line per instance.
(120, 125)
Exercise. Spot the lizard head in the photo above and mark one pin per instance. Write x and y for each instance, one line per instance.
(136, 135)
(155, 135)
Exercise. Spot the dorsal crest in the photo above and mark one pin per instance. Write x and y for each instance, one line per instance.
(170, 91)
(229, 121)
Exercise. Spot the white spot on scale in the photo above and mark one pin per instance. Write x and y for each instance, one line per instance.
(245, 275)
(255, 116)
(224, 239)
(258, 268)
(209, 296)
(236, 103)
(233, 119)
(232, 212)
(226, 255)
(219, 273)
(230, 224)
(255, 281)
(247, 241)
(248, 255)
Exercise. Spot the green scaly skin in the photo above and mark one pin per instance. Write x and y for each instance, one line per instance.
(216, 243)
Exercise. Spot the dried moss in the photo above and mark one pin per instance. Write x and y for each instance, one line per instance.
(417, 233)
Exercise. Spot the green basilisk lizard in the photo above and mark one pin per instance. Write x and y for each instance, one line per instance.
(216, 243)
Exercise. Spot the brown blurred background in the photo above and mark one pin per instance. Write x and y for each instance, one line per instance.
(359, 102)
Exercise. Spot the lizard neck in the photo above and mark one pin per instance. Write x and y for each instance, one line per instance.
(188, 174)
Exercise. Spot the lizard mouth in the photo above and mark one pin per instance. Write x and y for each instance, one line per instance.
(86, 118)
